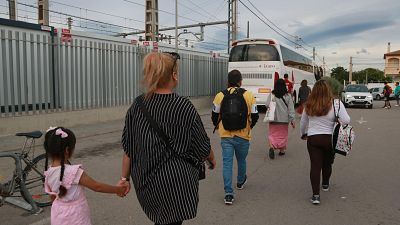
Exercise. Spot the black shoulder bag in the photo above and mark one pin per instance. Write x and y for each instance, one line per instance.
(198, 165)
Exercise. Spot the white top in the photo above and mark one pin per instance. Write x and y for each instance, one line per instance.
(313, 125)
(72, 175)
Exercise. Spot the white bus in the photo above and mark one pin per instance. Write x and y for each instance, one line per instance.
(263, 61)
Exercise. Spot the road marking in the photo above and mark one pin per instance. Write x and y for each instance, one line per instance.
(361, 121)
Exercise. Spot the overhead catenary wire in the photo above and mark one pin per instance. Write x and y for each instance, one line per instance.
(272, 28)
(78, 17)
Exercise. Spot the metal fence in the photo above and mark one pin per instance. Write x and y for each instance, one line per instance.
(41, 74)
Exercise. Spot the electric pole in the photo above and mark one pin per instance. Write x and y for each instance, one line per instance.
(12, 9)
(43, 12)
(151, 18)
(176, 26)
(232, 22)
(351, 70)
(248, 29)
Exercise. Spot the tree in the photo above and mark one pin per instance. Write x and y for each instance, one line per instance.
(340, 74)
(373, 75)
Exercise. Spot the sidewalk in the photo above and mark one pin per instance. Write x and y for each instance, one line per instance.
(14, 143)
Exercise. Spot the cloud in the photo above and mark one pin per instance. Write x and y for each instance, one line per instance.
(363, 51)
(295, 23)
(348, 25)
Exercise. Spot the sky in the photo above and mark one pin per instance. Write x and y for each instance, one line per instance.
(337, 29)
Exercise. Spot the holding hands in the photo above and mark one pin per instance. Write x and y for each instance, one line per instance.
(124, 187)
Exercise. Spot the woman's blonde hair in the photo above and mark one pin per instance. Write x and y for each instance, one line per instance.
(319, 103)
(158, 69)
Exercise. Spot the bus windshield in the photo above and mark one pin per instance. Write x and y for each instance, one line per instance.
(254, 52)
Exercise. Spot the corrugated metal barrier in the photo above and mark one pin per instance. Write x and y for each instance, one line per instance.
(40, 74)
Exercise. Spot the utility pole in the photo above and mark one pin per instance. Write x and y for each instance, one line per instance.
(313, 53)
(12, 9)
(43, 12)
(366, 77)
(151, 18)
(69, 23)
(248, 29)
(176, 26)
(351, 70)
(232, 22)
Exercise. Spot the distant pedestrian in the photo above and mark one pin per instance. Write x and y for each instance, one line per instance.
(316, 126)
(387, 91)
(65, 182)
(289, 84)
(283, 115)
(234, 115)
(165, 144)
(304, 92)
(397, 93)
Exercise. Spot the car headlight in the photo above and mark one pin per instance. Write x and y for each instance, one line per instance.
(370, 96)
(348, 96)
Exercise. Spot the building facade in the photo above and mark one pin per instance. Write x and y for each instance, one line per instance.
(392, 64)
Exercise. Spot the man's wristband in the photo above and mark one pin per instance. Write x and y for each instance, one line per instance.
(125, 179)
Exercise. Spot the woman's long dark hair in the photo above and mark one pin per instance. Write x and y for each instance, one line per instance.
(55, 147)
(280, 88)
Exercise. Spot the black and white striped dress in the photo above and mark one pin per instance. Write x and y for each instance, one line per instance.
(166, 187)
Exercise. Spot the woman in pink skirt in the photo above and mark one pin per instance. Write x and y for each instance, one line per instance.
(284, 114)
(65, 182)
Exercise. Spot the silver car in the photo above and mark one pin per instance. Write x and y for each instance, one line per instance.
(377, 93)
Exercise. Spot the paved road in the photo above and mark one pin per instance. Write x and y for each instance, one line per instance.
(365, 185)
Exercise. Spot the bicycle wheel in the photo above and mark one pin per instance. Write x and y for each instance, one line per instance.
(34, 181)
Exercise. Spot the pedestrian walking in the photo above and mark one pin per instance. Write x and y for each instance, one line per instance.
(397, 93)
(65, 182)
(304, 92)
(165, 144)
(387, 91)
(316, 126)
(283, 115)
(234, 115)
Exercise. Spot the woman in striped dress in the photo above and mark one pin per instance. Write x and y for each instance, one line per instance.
(166, 184)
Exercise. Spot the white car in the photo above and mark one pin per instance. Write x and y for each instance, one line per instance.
(357, 95)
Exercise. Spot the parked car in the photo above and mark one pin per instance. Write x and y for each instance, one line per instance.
(377, 93)
(357, 95)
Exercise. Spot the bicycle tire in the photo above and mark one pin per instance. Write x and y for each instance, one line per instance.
(40, 197)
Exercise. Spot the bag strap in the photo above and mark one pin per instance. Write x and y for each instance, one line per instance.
(153, 123)
(283, 99)
(334, 111)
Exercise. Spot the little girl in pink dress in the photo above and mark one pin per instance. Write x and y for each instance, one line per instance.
(65, 182)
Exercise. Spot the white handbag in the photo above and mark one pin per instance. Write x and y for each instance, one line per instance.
(270, 114)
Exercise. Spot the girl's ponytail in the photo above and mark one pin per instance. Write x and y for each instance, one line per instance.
(62, 191)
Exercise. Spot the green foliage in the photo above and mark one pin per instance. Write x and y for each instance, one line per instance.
(335, 85)
(373, 76)
(340, 74)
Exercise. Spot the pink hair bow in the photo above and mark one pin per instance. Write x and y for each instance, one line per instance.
(50, 129)
(62, 133)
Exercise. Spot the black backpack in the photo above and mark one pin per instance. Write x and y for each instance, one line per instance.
(234, 111)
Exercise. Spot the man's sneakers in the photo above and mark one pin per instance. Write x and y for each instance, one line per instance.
(315, 199)
(229, 199)
(240, 186)
(271, 153)
(325, 187)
